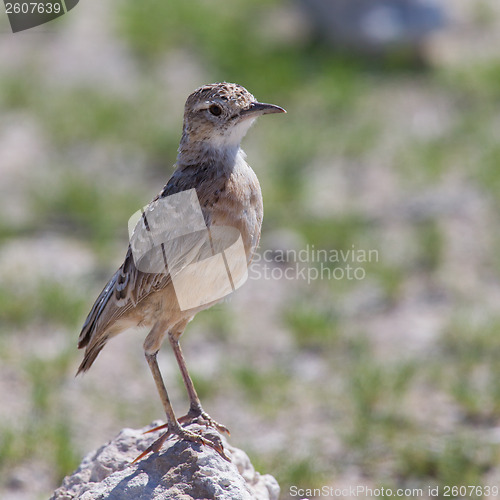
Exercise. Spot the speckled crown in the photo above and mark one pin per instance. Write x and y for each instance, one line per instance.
(225, 91)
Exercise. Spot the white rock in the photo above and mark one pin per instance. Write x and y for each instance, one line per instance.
(181, 470)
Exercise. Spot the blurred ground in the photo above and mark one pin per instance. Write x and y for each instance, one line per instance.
(391, 380)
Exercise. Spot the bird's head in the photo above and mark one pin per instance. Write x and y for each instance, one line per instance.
(220, 114)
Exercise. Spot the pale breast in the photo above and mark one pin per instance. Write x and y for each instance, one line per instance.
(238, 204)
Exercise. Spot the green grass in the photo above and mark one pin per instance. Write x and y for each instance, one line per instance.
(87, 209)
(469, 371)
(312, 327)
(85, 117)
(475, 81)
(46, 432)
(302, 473)
(454, 461)
(46, 302)
(339, 233)
(220, 33)
(375, 391)
(428, 159)
(264, 389)
(49, 429)
(430, 245)
(390, 278)
(14, 306)
(217, 323)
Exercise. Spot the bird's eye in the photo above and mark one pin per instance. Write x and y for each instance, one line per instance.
(215, 110)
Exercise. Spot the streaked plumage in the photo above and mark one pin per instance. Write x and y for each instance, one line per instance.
(210, 161)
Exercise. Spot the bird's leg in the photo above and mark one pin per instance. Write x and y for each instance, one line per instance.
(172, 423)
(162, 391)
(195, 409)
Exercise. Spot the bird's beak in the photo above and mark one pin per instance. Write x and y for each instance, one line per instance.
(261, 108)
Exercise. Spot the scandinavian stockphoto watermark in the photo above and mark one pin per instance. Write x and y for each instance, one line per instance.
(311, 263)
(170, 237)
(26, 14)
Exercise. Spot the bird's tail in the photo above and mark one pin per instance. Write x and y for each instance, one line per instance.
(94, 331)
(91, 353)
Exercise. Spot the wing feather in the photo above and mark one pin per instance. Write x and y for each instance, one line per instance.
(130, 285)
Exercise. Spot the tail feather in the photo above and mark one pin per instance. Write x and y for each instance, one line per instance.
(96, 316)
(94, 333)
(91, 353)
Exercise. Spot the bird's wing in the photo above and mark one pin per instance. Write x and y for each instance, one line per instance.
(148, 266)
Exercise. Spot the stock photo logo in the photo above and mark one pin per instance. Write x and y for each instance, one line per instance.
(26, 14)
(170, 237)
(311, 264)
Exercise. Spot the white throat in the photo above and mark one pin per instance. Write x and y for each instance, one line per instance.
(232, 136)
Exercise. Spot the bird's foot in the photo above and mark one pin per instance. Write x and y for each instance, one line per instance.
(156, 446)
(202, 417)
(181, 433)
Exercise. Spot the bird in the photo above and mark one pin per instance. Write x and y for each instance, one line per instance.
(212, 200)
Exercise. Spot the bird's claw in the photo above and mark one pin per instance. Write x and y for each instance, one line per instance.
(217, 445)
(181, 433)
(214, 443)
(156, 446)
(203, 417)
(154, 429)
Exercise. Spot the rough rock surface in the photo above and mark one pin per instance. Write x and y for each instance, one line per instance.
(181, 470)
